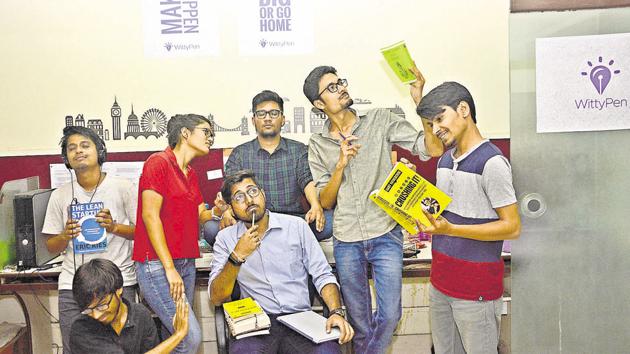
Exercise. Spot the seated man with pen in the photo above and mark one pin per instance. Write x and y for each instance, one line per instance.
(271, 256)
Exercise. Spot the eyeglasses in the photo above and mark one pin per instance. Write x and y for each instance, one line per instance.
(253, 192)
(99, 307)
(334, 86)
(273, 113)
(209, 133)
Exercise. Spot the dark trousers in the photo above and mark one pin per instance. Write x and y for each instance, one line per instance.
(282, 339)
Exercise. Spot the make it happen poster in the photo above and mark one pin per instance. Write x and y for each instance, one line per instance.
(180, 28)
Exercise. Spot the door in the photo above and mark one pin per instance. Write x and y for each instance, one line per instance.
(571, 265)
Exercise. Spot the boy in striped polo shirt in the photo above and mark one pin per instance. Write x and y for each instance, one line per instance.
(467, 270)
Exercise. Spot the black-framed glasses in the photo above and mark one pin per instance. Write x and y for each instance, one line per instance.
(99, 307)
(253, 192)
(334, 86)
(273, 113)
(209, 133)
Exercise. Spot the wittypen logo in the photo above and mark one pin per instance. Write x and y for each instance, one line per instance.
(601, 74)
(265, 43)
(181, 47)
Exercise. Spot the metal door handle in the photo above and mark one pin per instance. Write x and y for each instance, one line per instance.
(533, 205)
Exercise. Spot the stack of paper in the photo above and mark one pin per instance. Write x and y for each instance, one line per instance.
(246, 318)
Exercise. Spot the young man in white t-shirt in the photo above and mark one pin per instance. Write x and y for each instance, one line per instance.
(84, 151)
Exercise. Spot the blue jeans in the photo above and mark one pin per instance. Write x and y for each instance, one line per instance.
(373, 331)
(156, 292)
(211, 228)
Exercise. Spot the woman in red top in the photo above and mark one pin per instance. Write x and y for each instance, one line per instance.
(170, 208)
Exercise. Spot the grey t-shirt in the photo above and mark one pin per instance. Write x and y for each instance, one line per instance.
(120, 197)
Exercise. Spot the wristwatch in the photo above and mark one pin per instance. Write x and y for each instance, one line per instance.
(215, 217)
(338, 311)
(235, 261)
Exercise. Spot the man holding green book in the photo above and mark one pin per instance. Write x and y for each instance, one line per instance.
(349, 159)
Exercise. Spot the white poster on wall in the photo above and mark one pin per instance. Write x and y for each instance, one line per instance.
(583, 83)
(131, 170)
(275, 27)
(176, 28)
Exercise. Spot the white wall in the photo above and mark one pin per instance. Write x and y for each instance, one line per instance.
(67, 57)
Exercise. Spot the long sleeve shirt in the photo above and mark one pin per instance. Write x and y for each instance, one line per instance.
(276, 273)
(356, 217)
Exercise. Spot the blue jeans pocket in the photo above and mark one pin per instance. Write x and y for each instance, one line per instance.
(396, 235)
(154, 266)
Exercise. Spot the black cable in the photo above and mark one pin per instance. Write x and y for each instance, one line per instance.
(41, 304)
(72, 201)
(32, 289)
(37, 271)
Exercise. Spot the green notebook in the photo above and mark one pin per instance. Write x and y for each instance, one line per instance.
(398, 58)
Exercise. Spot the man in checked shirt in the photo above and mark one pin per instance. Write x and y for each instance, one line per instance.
(281, 166)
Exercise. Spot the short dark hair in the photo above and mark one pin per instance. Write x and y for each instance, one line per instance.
(231, 180)
(311, 83)
(450, 94)
(265, 96)
(95, 280)
(88, 133)
(179, 121)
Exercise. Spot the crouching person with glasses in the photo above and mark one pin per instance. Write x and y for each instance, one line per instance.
(110, 324)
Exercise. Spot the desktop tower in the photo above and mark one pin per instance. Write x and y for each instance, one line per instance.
(30, 244)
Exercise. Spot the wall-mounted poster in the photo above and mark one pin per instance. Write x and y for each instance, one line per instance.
(583, 83)
(276, 27)
(176, 28)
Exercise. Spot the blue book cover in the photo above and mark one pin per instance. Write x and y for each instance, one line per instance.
(92, 238)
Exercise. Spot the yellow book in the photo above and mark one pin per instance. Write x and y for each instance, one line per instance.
(404, 195)
(242, 309)
(246, 318)
(398, 58)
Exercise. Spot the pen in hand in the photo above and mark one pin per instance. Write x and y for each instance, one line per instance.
(344, 138)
